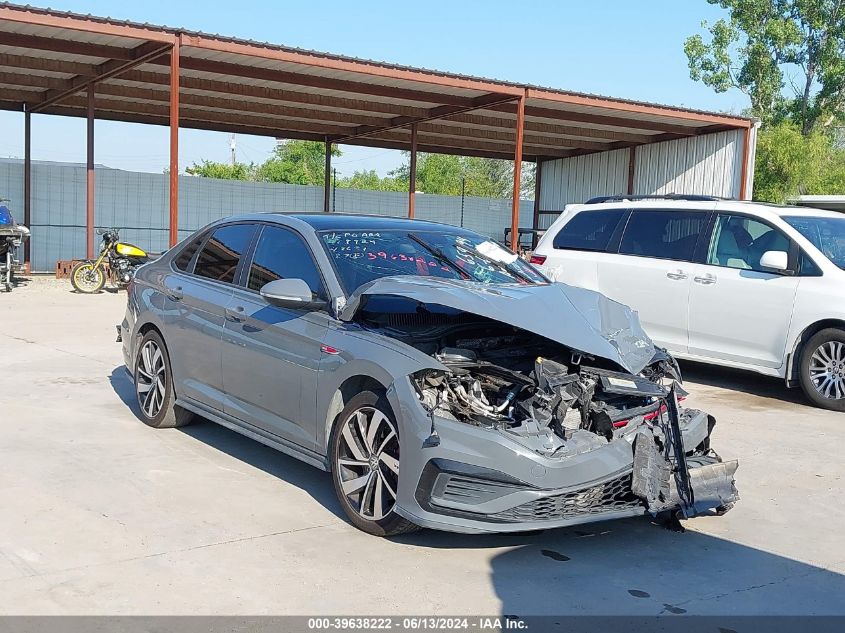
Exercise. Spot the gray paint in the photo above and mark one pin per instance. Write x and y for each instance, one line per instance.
(286, 391)
(138, 204)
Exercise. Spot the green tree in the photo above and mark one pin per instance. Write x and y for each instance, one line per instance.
(226, 171)
(765, 45)
(297, 163)
(371, 181)
(790, 163)
(447, 175)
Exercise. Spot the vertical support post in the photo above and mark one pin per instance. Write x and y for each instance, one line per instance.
(517, 172)
(327, 178)
(174, 141)
(746, 150)
(538, 175)
(412, 180)
(632, 167)
(27, 184)
(89, 197)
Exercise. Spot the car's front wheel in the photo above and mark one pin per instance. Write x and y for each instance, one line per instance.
(364, 450)
(154, 385)
(822, 369)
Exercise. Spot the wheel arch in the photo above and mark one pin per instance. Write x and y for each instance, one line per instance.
(806, 334)
(348, 389)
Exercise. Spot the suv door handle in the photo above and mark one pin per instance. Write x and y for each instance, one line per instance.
(175, 293)
(706, 280)
(677, 274)
(236, 314)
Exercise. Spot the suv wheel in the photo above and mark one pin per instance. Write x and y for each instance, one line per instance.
(822, 369)
(365, 465)
(154, 385)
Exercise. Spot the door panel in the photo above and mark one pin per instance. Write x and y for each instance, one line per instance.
(270, 362)
(738, 311)
(193, 320)
(271, 354)
(657, 289)
(195, 312)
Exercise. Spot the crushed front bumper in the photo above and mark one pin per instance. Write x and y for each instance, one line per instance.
(476, 479)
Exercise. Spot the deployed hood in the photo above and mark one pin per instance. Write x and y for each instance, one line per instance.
(583, 320)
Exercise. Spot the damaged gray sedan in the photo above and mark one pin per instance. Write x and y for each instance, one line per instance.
(444, 382)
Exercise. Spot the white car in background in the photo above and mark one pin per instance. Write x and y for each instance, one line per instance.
(740, 284)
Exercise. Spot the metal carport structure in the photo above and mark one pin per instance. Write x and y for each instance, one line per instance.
(69, 64)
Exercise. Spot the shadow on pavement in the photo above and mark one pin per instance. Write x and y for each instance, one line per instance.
(315, 482)
(633, 567)
(742, 381)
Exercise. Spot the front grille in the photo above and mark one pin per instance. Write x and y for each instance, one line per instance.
(469, 490)
(611, 496)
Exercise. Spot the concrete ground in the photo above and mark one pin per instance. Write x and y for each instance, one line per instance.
(101, 514)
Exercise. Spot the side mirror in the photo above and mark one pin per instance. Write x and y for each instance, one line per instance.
(777, 261)
(290, 293)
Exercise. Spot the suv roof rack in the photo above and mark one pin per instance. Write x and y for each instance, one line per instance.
(622, 197)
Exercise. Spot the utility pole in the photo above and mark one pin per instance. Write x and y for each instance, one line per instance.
(232, 145)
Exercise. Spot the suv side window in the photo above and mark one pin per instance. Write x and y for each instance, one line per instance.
(589, 230)
(218, 259)
(669, 234)
(183, 260)
(282, 254)
(739, 242)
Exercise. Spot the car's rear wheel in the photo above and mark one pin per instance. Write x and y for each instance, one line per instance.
(364, 449)
(822, 369)
(154, 385)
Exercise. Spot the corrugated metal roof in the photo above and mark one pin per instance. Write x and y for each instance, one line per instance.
(269, 85)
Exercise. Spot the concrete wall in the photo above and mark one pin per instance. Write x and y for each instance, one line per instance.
(710, 164)
(138, 204)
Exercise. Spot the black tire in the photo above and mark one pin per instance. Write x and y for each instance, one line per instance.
(157, 401)
(87, 279)
(829, 343)
(384, 480)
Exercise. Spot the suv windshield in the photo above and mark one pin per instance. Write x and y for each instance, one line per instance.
(362, 256)
(826, 234)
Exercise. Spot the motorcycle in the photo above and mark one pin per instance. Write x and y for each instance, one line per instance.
(12, 236)
(117, 261)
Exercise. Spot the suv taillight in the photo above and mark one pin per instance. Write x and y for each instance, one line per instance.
(537, 259)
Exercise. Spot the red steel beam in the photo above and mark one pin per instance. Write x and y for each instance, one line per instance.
(538, 174)
(517, 172)
(327, 177)
(67, 46)
(433, 113)
(47, 17)
(27, 184)
(632, 167)
(89, 181)
(317, 81)
(746, 150)
(174, 143)
(412, 178)
(139, 55)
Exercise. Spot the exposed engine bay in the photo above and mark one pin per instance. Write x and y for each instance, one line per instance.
(555, 400)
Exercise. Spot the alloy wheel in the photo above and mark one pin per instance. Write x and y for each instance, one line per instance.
(151, 379)
(368, 463)
(827, 370)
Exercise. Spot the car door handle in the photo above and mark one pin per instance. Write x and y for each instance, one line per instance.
(175, 293)
(235, 314)
(677, 274)
(706, 280)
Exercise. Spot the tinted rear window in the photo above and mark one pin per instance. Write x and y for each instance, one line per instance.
(589, 230)
(183, 260)
(663, 234)
(219, 258)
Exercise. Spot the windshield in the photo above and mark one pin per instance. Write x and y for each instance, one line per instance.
(826, 234)
(363, 256)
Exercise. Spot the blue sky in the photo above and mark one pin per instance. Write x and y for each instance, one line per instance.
(617, 48)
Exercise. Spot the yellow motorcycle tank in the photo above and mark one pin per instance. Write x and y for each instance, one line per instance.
(129, 250)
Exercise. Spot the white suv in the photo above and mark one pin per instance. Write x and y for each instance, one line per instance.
(741, 284)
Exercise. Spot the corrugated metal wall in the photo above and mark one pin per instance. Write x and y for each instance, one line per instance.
(710, 164)
(138, 202)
